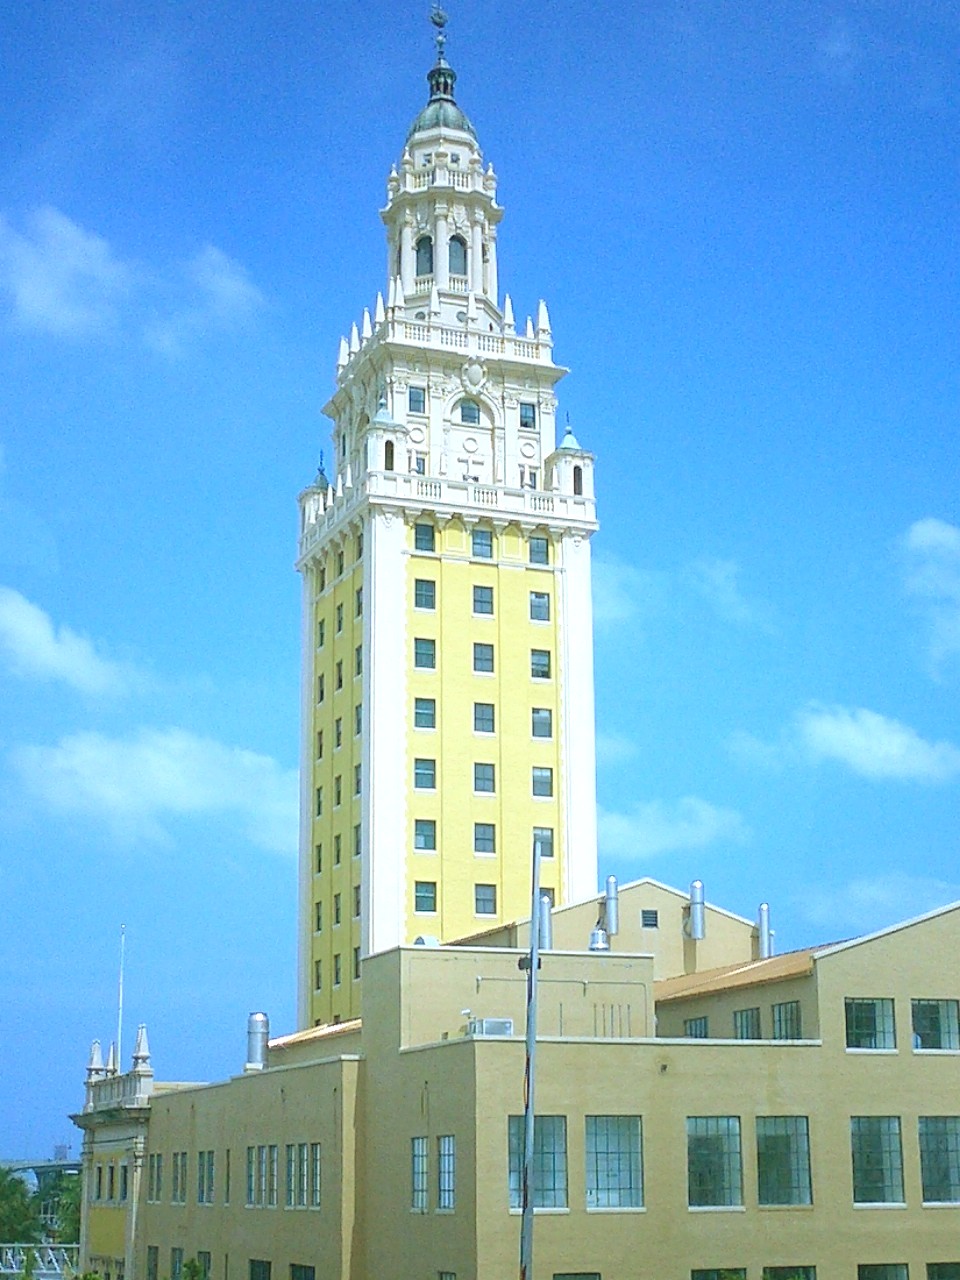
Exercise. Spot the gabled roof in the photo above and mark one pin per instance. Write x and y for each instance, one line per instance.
(792, 964)
(315, 1033)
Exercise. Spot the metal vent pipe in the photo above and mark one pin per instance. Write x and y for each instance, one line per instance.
(258, 1034)
(698, 915)
(546, 924)
(611, 909)
(764, 932)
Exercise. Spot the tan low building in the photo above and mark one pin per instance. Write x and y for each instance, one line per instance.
(782, 1118)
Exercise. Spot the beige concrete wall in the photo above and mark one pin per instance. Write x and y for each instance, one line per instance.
(719, 1008)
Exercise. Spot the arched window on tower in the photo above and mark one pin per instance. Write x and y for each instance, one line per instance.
(388, 456)
(458, 256)
(578, 481)
(425, 256)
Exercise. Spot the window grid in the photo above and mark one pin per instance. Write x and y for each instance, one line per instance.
(483, 658)
(877, 1159)
(870, 1024)
(424, 774)
(484, 837)
(936, 1024)
(424, 593)
(424, 537)
(539, 606)
(425, 713)
(540, 664)
(419, 1190)
(614, 1165)
(786, 1020)
(789, 1273)
(484, 717)
(485, 778)
(425, 834)
(714, 1170)
(544, 835)
(485, 899)
(541, 722)
(696, 1028)
(542, 781)
(446, 1171)
(940, 1158)
(481, 544)
(424, 653)
(746, 1024)
(483, 600)
(549, 1190)
(882, 1271)
(539, 549)
(425, 896)
(783, 1160)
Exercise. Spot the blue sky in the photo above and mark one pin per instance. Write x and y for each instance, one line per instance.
(743, 219)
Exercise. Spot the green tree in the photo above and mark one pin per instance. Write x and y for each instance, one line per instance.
(19, 1211)
(65, 1198)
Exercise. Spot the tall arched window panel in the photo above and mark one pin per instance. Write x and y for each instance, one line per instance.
(578, 480)
(425, 256)
(388, 456)
(458, 256)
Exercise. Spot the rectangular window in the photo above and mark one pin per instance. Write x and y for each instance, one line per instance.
(338, 733)
(259, 1269)
(539, 606)
(176, 1263)
(940, 1159)
(153, 1261)
(356, 964)
(528, 416)
(484, 837)
(420, 464)
(877, 1159)
(356, 902)
(301, 1271)
(789, 1273)
(338, 675)
(337, 970)
(882, 1271)
(261, 1192)
(484, 777)
(205, 1177)
(539, 549)
(696, 1028)
(337, 848)
(272, 1173)
(481, 544)
(786, 1020)
(319, 744)
(746, 1024)
(416, 399)
(321, 688)
(936, 1024)
(870, 1024)
(649, 919)
(317, 977)
(338, 790)
(485, 899)
(357, 779)
(542, 780)
(321, 633)
(424, 593)
(358, 719)
(544, 836)
(540, 664)
(425, 774)
(339, 618)
(719, 1273)
(483, 658)
(783, 1160)
(549, 1190)
(205, 1263)
(483, 599)
(318, 858)
(943, 1271)
(425, 713)
(252, 1172)
(446, 1171)
(318, 807)
(541, 722)
(290, 1190)
(425, 896)
(714, 1170)
(424, 654)
(425, 834)
(483, 717)
(302, 1156)
(358, 660)
(358, 602)
(419, 1187)
(357, 840)
(336, 908)
(424, 537)
(314, 1175)
(339, 563)
(614, 1166)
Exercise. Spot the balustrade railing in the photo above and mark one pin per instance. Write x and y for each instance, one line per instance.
(42, 1261)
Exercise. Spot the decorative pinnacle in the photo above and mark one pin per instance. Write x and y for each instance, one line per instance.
(439, 20)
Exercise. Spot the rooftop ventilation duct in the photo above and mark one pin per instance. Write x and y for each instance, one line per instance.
(258, 1033)
(611, 907)
(764, 932)
(546, 924)
(696, 921)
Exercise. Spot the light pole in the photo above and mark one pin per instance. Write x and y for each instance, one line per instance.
(532, 964)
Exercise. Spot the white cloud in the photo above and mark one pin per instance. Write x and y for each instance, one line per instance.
(614, 748)
(717, 582)
(931, 550)
(61, 278)
(35, 649)
(875, 746)
(622, 592)
(137, 785)
(654, 827)
(222, 296)
(873, 902)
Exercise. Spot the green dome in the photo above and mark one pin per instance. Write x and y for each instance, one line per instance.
(441, 113)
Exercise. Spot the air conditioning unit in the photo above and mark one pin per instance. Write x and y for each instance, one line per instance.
(490, 1027)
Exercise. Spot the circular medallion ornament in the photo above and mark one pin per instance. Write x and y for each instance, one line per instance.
(528, 449)
(473, 374)
(417, 435)
(470, 445)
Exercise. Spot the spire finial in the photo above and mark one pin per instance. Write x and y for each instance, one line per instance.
(439, 20)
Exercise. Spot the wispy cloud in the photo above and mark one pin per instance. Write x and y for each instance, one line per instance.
(717, 582)
(931, 551)
(622, 592)
(614, 748)
(875, 746)
(60, 278)
(34, 648)
(654, 827)
(867, 743)
(65, 280)
(136, 786)
(872, 902)
(221, 296)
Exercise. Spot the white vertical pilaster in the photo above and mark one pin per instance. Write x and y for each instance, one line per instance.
(305, 894)
(477, 282)
(441, 250)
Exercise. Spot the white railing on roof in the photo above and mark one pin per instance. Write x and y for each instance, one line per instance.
(132, 1089)
(47, 1261)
